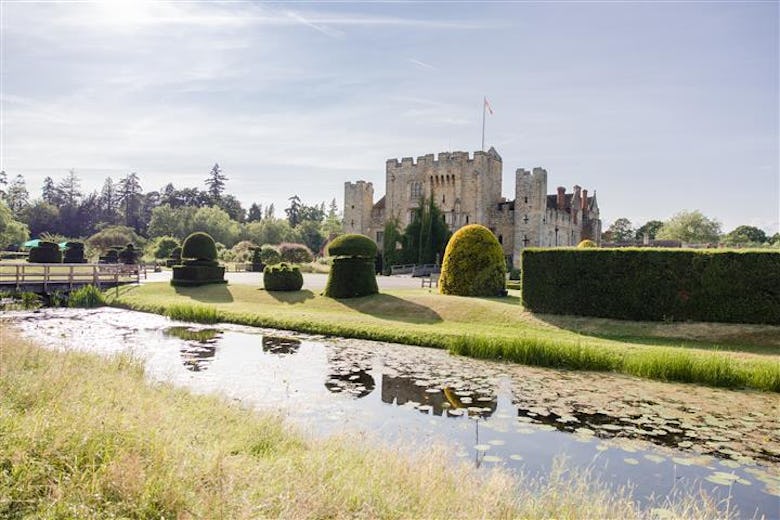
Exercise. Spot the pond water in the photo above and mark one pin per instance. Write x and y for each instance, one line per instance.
(658, 438)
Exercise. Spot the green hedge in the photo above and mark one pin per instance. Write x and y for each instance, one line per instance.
(45, 253)
(352, 245)
(654, 284)
(282, 277)
(192, 275)
(199, 246)
(351, 277)
(474, 264)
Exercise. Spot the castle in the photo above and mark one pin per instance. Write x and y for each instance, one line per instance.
(468, 191)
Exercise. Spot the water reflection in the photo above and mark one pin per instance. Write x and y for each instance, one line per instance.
(401, 390)
(200, 347)
(349, 373)
(280, 346)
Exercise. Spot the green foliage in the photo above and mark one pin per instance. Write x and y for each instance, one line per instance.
(194, 313)
(128, 255)
(654, 284)
(109, 236)
(182, 221)
(620, 231)
(199, 246)
(745, 236)
(194, 274)
(270, 231)
(74, 253)
(351, 277)
(426, 236)
(295, 253)
(282, 277)
(12, 232)
(650, 228)
(269, 255)
(474, 264)
(161, 247)
(86, 296)
(352, 245)
(30, 300)
(392, 239)
(586, 244)
(515, 273)
(45, 253)
(690, 227)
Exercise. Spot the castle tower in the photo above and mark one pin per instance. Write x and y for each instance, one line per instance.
(358, 201)
(530, 207)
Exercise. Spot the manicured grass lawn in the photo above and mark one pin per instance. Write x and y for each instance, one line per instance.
(721, 355)
(88, 437)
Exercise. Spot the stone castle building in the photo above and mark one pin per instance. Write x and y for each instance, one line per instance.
(467, 189)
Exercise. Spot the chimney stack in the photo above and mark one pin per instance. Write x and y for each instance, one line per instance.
(561, 198)
(584, 201)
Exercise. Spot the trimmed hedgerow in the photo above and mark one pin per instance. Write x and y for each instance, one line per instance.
(282, 277)
(474, 264)
(45, 253)
(295, 253)
(654, 284)
(353, 272)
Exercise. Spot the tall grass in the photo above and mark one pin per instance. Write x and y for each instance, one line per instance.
(194, 313)
(86, 437)
(86, 296)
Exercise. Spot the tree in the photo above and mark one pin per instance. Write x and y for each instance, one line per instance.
(12, 232)
(332, 225)
(216, 223)
(49, 192)
(426, 235)
(649, 228)
(175, 222)
(231, 205)
(690, 227)
(294, 211)
(745, 235)
(391, 241)
(17, 197)
(775, 240)
(3, 184)
(269, 211)
(621, 231)
(70, 189)
(109, 202)
(130, 200)
(311, 235)
(270, 231)
(216, 184)
(41, 216)
(255, 213)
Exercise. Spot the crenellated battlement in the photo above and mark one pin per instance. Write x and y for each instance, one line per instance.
(442, 158)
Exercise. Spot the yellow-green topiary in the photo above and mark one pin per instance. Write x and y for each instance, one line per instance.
(474, 264)
(587, 243)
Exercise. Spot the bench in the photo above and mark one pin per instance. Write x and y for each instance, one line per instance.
(430, 281)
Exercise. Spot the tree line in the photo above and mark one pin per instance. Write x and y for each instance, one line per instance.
(65, 210)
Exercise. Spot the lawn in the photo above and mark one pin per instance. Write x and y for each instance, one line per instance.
(715, 354)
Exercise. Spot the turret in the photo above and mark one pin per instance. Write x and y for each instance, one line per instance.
(358, 201)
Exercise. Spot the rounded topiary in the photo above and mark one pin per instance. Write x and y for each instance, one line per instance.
(282, 277)
(352, 245)
(295, 253)
(474, 264)
(353, 272)
(176, 253)
(199, 248)
(74, 253)
(587, 243)
(269, 255)
(45, 253)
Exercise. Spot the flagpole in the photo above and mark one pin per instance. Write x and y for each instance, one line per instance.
(484, 107)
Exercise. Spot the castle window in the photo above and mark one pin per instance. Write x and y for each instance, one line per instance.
(525, 219)
(501, 239)
(442, 199)
(353, 206)
(380, 237)
(467, 219)
(415, 190)
(526, 199)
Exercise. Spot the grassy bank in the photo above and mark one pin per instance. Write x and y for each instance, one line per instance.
(87, 437)
(497, 328)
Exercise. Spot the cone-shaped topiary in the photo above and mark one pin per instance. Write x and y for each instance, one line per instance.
(45, 253)
(474, 264)
(587, 243)
(200, 262)
(282, 277)
(353, 272)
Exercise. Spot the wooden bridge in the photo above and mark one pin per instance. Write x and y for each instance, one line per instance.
(47, 278)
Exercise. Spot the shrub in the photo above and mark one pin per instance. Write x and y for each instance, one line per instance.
(353, 272)
(111, 257)
(111, 235)
(242, 252)
(86, 296)
(74, 253)
(45, 253)
(282, 277)
(352, 245)
(587, 243)
(514, 274)
(654, 284)
(269, 255)
(128, 255)
(200, 266)
(175, 258)
(199, 249)
(474, 264)
(162, 247)
(295, 253)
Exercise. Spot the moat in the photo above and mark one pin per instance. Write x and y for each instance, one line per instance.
(659, 438)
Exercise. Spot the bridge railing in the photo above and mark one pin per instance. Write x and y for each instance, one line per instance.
(18, 274)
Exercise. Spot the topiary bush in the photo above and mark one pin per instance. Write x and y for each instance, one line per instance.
(175, 258)
(74, 253)
(257, 262)
(474, 264)
(200, 262)
(45, 253)
(353, 271)
(269, 255)
(587, 243)
(295, 253)
(282, 277)
(128, 255)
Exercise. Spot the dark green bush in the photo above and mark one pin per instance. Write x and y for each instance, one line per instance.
(352, 244)
(193, 274)
(282, 277)
(74, 253)
(257, 261)
(45, 253)
(351, 277)
(111, 257)
(163, 247)
(128, 255)
(295, 253)
(269, 255)
(654, 284)
(175, 258)
(474, 264)
(199, 246)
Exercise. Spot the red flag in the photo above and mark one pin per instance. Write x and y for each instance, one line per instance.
(488, 107)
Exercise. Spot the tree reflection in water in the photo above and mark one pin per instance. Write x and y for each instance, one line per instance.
(456, 402)
(349, 374)
(280, 346)
(199, 349)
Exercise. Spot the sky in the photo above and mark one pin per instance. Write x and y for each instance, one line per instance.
(659, 107)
